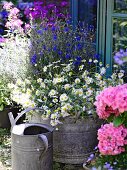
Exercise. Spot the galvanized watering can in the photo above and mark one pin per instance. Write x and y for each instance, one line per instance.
(32, 144)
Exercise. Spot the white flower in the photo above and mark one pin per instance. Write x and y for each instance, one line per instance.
(98, 76)
(102, 71)
(58, 80)
(84, 97)
(67, 68)
(64, 114)
(19, 82)
(44, 98)
(84, 108)
(52, 92)
(89, 92)
(115, 66)
(100, 64)
(42, 84)
(55, 100)
(85, 74)
(114, 76)
(95, 61)
(77, 80)
(66, 107)
(81, 67)
(67, 86)
(63, 97)
(89, 80)
(102, 83)
(37, 93)
(120, 75)
(121, 81)
(55, 122)
(54, 116)
(85, 86)
(11, 85)
(27, 81)
(79, 92)
(39, 80)
(45, 69)
(90, 60)
(89, 112)
(48, 112)
(45, 107)
(29, 91)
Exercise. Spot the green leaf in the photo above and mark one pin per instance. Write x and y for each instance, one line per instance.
(123, 23)
(117, 121)
(110, 118)
(1, 107)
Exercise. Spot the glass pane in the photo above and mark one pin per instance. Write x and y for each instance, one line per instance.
(120, 40)
(88, 11)
(119, 34)
(120, 6)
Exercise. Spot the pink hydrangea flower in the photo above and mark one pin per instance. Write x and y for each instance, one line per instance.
(112, 140)
(112, 100)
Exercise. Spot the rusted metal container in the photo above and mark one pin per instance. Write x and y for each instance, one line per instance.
(32, 145)
(75, 141)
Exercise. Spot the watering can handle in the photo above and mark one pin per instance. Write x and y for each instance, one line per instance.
(45, 140)
(14, 121)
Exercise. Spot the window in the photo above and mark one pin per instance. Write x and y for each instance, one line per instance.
(116, 30)
(112, 29)
(84, 11)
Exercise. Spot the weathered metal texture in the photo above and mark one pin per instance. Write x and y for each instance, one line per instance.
(32, 145)
(74, 142)
(28, 150)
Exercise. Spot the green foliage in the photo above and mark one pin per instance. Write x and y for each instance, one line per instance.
(117, 162)
(4, 94)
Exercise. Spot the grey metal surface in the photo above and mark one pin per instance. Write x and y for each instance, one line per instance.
(32, 149)
(73, 142)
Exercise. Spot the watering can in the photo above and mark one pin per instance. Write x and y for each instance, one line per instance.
(31, 144)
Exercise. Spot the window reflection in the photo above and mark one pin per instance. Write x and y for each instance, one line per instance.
(88, 11)
(119, 34)
(120, 6)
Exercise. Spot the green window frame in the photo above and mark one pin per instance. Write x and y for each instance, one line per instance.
(106, 15)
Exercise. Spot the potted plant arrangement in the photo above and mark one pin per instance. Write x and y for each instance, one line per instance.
(64, 78)
(67, 98)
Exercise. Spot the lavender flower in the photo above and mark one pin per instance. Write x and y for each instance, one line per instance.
(121, 57)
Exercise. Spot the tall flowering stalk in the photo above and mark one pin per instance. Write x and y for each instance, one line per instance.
(13, 22)
(60, 42)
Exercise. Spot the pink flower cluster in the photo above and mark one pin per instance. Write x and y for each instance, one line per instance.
(112, 139)
(13, 18)
(112, 100)
(7, 5)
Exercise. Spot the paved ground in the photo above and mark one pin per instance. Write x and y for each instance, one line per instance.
(2, 167)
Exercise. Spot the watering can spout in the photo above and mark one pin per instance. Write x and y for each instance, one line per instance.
(11, 117)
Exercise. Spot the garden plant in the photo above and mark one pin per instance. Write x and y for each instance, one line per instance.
(52, 65)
